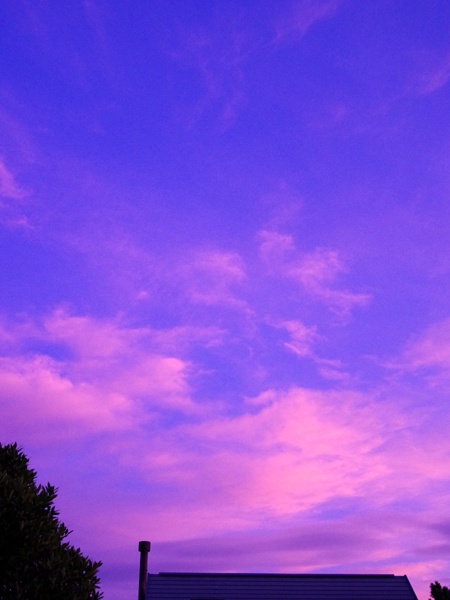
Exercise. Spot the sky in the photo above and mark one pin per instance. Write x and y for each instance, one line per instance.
(225, 280)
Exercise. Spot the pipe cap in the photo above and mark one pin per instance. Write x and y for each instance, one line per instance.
(144, 546)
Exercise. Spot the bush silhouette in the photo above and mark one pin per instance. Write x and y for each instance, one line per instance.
(35, 562)
(438, 592)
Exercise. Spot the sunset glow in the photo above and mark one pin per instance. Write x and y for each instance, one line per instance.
(225, 275)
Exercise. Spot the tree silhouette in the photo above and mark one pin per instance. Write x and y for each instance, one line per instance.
(438, 592)
(35, 562)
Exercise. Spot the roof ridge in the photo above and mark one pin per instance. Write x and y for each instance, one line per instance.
(184, 574)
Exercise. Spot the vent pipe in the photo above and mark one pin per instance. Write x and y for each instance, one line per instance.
(144, 549)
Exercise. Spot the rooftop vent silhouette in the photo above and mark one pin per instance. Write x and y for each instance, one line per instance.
(144, 549)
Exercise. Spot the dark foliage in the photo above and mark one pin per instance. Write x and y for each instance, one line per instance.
(438, 592)
(35, 562)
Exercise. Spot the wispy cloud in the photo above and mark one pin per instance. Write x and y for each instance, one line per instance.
(317, 272)
(275, 246)
(8, 185)
(302, 342)
(428, 354)
(15, 131)
(220, 51)
(301, 337)
(305, 13)
(12, 214)
(212, 277)
(218, 54)
(433, 74)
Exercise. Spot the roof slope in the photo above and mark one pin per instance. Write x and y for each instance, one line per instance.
(231, 586)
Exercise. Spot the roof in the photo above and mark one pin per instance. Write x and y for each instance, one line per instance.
(243, 586)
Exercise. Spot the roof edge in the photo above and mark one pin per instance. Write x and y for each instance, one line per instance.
(190, 574)
(411, 587)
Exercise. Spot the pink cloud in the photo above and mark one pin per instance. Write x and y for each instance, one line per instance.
(285, 457)
(331, 369)
(275, 246)
(317, 271)
(211, 278)
(427, 356)
(38, 400)
(298, 451)
(319, 268)
(102, 340)
(91, 338)
(431, 349)
(110, 377)
(122, 359)
(302, 338)
(157, 380)
(301, 449)
(270, 472)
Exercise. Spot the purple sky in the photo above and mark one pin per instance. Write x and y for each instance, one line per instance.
(225, 275)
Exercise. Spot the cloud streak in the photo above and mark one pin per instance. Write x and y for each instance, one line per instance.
(317, 272)
(8, 186)
(305, 13)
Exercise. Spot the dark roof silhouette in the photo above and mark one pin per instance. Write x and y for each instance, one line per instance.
(243, 586)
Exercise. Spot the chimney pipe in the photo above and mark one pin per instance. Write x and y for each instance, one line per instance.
(144, 549)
